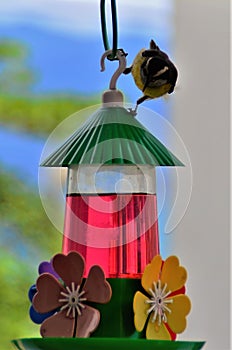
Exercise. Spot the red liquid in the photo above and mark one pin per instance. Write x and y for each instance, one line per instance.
(117, 232)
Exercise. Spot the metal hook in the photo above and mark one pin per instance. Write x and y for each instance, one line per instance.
(121, 55)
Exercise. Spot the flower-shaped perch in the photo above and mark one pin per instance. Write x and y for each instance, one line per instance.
(165, 304)
(45, 266)
(70, 296)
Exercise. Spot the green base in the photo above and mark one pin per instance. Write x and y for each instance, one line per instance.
(117, 316)
(103, 344)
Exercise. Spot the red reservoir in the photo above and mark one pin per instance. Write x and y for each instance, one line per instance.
(111, 217)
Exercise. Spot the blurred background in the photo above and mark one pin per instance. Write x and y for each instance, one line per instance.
(49, 69)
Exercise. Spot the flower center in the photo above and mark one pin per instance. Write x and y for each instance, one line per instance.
(159, 302)
(73, 300)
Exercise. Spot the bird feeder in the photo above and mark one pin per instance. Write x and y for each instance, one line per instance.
(111, 238)
(111, 203)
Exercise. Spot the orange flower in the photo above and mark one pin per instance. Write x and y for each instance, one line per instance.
(165, 302)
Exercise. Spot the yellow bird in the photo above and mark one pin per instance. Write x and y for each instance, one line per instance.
(153, 73)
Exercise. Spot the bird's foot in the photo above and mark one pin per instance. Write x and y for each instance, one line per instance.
(133, 111)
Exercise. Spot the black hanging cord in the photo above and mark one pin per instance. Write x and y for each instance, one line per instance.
(114, 48)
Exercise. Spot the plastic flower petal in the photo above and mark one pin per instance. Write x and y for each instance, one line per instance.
(163, 307)
(173, 274)
(156, 331)
(46, 266)
(151, 273)
(180, 307)
(96, 287)
(57, 324)
(69, 267)
(36, 317)
(140, 309)
(91, 317)
(73, 316)
(48, 293)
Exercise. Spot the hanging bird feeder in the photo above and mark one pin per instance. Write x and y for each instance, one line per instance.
(111, 231)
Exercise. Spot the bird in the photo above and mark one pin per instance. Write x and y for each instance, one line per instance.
(153, 72)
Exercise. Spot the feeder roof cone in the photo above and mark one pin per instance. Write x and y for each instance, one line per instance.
(112, 136)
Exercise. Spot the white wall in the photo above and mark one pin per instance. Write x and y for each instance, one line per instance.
(201, 116)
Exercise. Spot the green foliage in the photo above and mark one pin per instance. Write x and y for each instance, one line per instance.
(22, 212)
(15, 76)
(40, 115)
(16, 278)
(16, 79)
(11, 50)
(27, 238)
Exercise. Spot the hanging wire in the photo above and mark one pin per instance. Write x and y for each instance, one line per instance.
(113, 56)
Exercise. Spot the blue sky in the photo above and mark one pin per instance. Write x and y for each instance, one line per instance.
(83, 15)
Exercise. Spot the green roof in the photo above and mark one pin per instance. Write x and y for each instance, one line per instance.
(112, 136)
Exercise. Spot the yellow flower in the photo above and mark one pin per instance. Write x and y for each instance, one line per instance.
(164, 304)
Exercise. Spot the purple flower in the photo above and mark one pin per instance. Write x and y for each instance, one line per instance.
(36, 317)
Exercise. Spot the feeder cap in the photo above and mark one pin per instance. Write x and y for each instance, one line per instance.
(112, 98)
